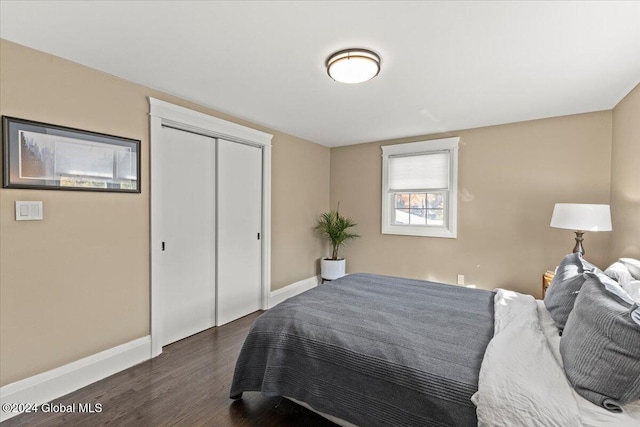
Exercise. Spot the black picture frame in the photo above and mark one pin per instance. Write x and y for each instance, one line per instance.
(42, 156)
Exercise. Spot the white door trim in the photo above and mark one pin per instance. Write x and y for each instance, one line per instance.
(162, 113)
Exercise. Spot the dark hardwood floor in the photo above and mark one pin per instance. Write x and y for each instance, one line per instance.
(187, 385)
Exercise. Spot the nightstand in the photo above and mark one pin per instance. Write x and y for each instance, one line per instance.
(547, 277)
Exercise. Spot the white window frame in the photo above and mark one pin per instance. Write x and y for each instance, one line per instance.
(450, 229)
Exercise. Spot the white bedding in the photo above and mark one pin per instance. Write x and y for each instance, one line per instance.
(522, 381)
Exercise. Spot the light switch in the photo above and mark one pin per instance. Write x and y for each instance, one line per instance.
(29, 211)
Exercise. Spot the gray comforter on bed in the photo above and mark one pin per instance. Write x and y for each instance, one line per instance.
(373, 350)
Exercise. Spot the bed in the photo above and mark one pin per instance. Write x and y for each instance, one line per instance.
(373, 350)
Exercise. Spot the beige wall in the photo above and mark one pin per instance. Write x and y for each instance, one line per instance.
(510, 177)
(301, 177)
(625, 178)
(77, 282)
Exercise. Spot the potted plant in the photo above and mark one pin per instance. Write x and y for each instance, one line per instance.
(334, 227)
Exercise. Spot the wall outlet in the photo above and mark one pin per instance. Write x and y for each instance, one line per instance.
(460, 279)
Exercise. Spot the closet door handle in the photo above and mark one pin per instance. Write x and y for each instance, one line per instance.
(258, 236)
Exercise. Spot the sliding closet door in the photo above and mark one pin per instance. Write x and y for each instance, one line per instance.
(184, 220)
(239, 188)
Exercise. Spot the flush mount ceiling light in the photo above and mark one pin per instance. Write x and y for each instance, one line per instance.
(353, 65)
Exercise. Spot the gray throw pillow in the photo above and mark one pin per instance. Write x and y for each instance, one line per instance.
(564, 287)
(600, 345)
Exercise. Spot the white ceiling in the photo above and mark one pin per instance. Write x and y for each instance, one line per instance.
(445, 65)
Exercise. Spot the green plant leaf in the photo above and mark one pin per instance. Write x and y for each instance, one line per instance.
(333, 227)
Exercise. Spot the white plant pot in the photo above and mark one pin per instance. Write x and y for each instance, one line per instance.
(331, 270)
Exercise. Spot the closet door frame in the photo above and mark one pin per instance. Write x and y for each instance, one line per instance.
(164, 114)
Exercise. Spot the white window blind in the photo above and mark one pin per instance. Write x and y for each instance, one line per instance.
(420, 188)
(420, 172)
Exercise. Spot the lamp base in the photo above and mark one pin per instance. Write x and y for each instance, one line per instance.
(578, 247)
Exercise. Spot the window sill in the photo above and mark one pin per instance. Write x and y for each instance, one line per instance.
(441, 232)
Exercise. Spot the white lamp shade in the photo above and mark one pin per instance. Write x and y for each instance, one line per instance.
(582, 217)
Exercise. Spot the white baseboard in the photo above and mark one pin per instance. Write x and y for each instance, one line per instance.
(57, 382)
(279, 295)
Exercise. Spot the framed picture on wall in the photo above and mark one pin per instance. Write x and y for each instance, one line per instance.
(50, 157)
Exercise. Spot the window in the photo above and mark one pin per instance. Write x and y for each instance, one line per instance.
(419, 188)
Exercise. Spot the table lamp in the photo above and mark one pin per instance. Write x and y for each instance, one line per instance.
(580, 218)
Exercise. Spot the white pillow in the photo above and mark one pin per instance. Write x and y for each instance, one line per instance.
(633, 265)
(633, 289)
(619, 272)
(613, 287)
